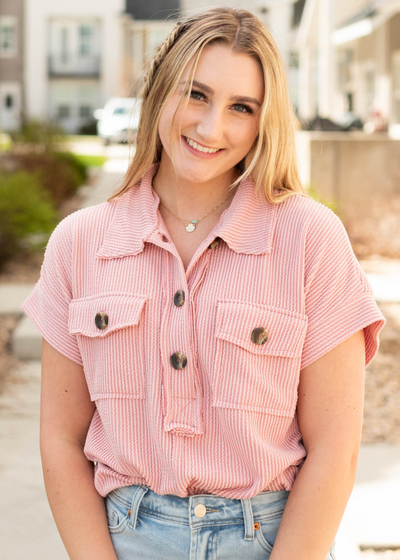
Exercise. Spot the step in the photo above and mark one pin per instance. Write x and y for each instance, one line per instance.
(11, 297)
(26, 340)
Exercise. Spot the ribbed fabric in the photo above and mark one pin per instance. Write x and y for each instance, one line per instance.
(225, 424)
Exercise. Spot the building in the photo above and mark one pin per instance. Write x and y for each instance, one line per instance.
(350, 61)
(77, 56)
(145, 26)
(11, 64)
(72, 59)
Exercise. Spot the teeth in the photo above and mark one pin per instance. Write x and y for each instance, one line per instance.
(200, 148)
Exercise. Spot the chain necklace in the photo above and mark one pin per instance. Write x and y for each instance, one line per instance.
(191, 226)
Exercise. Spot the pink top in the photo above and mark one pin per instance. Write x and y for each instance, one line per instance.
(271, 290)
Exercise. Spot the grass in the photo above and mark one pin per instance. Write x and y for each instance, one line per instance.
(82, 138)
(5, 142)
(91, 161)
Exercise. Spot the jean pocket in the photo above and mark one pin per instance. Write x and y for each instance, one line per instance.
(110, 336)
(268, 529)
(118, 513)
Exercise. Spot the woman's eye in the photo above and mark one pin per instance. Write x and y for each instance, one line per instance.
(246, 108)
(242, 108)
(199, 95)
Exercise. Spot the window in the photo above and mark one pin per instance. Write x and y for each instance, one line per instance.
(122, 111)
(369, 78)
(297, 13)
(85, 39)
(9, 101)
(8, 36)
(63, 111)
(346, 77)
(85, 112)
(64, 45)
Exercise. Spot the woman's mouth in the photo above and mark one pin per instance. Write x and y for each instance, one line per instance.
(200, 150)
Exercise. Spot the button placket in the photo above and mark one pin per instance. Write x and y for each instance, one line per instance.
(178, 381)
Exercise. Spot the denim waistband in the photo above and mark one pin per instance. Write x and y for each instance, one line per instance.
(201, 509)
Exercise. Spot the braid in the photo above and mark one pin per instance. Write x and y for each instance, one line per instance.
(161, 52)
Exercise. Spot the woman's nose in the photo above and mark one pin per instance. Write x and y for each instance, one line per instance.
(211, 127)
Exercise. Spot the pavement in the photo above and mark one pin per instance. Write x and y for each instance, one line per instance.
(372, 517)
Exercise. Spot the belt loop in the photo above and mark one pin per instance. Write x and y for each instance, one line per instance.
(137, 498)
(248, 519)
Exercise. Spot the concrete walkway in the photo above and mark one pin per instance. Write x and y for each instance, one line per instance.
(371, 518)
(28, 530)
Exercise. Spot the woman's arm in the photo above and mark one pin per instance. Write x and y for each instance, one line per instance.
(65, 414)
(330, 408)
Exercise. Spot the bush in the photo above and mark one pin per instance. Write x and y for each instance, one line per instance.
(27, 215)
(331, 204)
(89, 128)
(47, 135)
(60, 173)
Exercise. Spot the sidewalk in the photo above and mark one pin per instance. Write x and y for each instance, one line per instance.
(371, 518)
(27, 526)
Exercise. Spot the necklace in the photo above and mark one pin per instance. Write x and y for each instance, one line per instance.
(191, 226)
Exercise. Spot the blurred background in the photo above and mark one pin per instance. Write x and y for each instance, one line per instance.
(70, 76)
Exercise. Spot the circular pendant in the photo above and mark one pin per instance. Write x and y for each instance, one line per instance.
(190, 227)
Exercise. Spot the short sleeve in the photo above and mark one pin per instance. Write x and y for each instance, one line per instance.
(339, 300)
(48, 303)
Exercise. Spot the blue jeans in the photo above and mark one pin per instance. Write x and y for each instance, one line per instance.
(144, 525)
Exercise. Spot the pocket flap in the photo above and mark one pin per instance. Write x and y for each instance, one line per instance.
(286, 329)
(122, 310)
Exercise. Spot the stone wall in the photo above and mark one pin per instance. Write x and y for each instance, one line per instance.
(360, 173)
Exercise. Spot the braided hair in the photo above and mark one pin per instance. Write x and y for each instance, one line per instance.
(161, 52)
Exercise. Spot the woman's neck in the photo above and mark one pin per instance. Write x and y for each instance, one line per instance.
(191, 199)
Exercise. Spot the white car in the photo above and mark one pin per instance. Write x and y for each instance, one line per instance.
(118, 121)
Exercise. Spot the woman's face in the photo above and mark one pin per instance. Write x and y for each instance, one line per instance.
(222, 113)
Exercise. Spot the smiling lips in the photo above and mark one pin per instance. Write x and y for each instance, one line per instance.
(201, 148)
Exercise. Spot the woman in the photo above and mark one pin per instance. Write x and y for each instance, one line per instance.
(205, 330)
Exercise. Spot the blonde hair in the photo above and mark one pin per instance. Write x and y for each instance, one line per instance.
(272, 160)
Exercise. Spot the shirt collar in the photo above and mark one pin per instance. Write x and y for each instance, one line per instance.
(247, 225)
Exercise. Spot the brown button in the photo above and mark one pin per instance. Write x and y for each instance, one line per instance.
(214, 243)
(259, 335)
(101, 320)
(179, 298)
(178, 360)
(256, 526)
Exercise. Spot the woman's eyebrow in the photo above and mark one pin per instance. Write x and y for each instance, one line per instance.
(210, 91)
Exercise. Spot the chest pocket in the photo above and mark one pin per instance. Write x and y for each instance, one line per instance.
(258, 357)
(110, 337)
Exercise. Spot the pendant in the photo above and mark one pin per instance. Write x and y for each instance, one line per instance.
(191, 227)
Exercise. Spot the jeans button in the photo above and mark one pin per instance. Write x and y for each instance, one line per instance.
(200, 510)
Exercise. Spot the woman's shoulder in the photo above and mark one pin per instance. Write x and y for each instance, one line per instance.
(87, 220)
(308, 212)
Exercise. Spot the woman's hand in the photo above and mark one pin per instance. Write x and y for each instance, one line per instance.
(330, 409)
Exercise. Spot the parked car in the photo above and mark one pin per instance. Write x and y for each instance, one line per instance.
(119, 119)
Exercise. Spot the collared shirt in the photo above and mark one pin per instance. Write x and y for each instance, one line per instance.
(195, 373)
